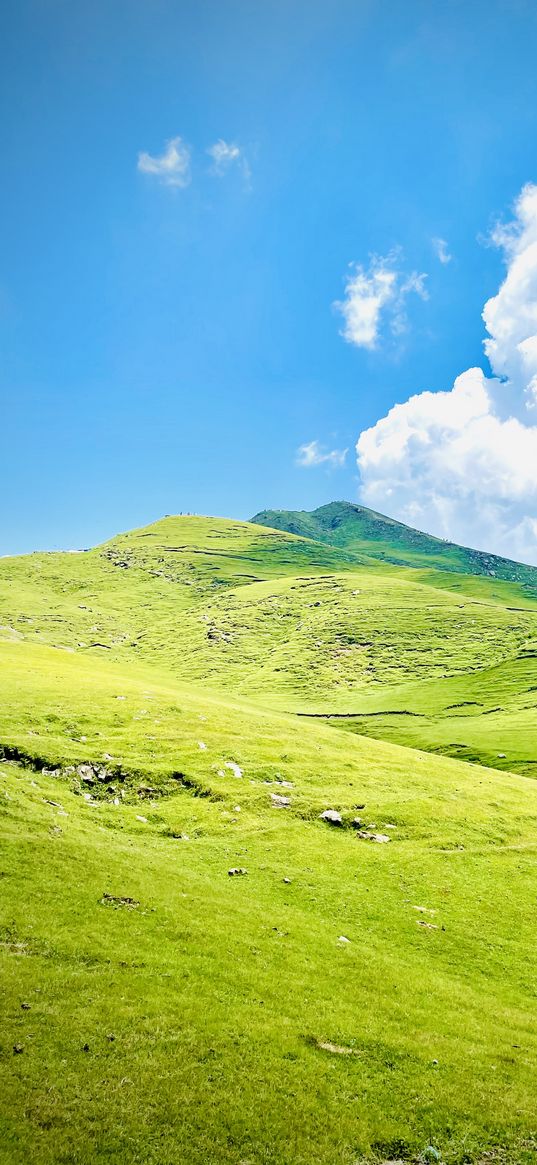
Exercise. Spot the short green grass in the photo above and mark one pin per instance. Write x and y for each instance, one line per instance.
(224, 1019)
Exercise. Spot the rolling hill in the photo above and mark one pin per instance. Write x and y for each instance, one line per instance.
(197, 965)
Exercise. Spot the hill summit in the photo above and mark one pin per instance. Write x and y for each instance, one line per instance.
(357, 529)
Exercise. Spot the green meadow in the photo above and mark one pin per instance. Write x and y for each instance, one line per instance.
(197, 966)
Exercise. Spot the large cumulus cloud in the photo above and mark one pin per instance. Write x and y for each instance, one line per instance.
(463, 463)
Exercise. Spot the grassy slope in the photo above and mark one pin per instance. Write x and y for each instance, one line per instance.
(205, 598)
(489, 716)
(361, 530)
(219, 991)
(297, 624)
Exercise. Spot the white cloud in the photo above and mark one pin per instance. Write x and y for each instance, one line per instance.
(380, 290)
(441, 250)
(172, 167)
(463, 463)
(225, 154)
(314, 454)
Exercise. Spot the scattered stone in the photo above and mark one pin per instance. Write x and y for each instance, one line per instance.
(142, 819)
(25, 1006)
(17, 1049)
(424, 909)
(202, 745)
(342, 939)
(332, 817)
(287, 881)
(279, 802)
(236, 870)
(336, 1049)
(501, 756)
(381, 838)
(85, 1048)
(357, 823)
(111, 1038)
(236, 808)
(428, 925)
(117, 902)
(235, 768)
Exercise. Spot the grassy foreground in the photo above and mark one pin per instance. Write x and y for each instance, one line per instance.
(363, 992)
(244, 1028)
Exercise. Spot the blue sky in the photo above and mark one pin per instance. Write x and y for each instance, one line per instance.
(169, 347)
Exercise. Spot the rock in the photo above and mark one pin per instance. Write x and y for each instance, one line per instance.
(85, 1048)
(25, 1006)
(342, 939)
(287, 881)
(428, 925)
(336, 1049)
(279, 802)
(332, 817)
(17, 1049)
(113, 900)
(382, 838)
(202, 745)
(501, 756)
(236, 870)
(357, 823)
(235, 768)
(142, 819)
(111, 1038)
(86, 773)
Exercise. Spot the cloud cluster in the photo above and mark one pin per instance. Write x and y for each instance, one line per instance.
(463, 463)
(173, 166)
(374, 294)
(441, 250)
(313, 454)
(227, 154)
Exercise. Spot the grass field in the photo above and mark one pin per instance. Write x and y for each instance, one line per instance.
(347, 999)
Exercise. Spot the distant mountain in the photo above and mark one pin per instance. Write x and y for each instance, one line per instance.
(362, 531)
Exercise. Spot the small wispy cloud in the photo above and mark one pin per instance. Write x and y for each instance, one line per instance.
(313, 453)
(375, 292)
(441, 250)
(172, 167)
(226, 154)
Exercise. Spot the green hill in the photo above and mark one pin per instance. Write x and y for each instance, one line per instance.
(360, 994)
(363, 531)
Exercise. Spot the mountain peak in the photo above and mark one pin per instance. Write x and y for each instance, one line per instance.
(355, 528)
